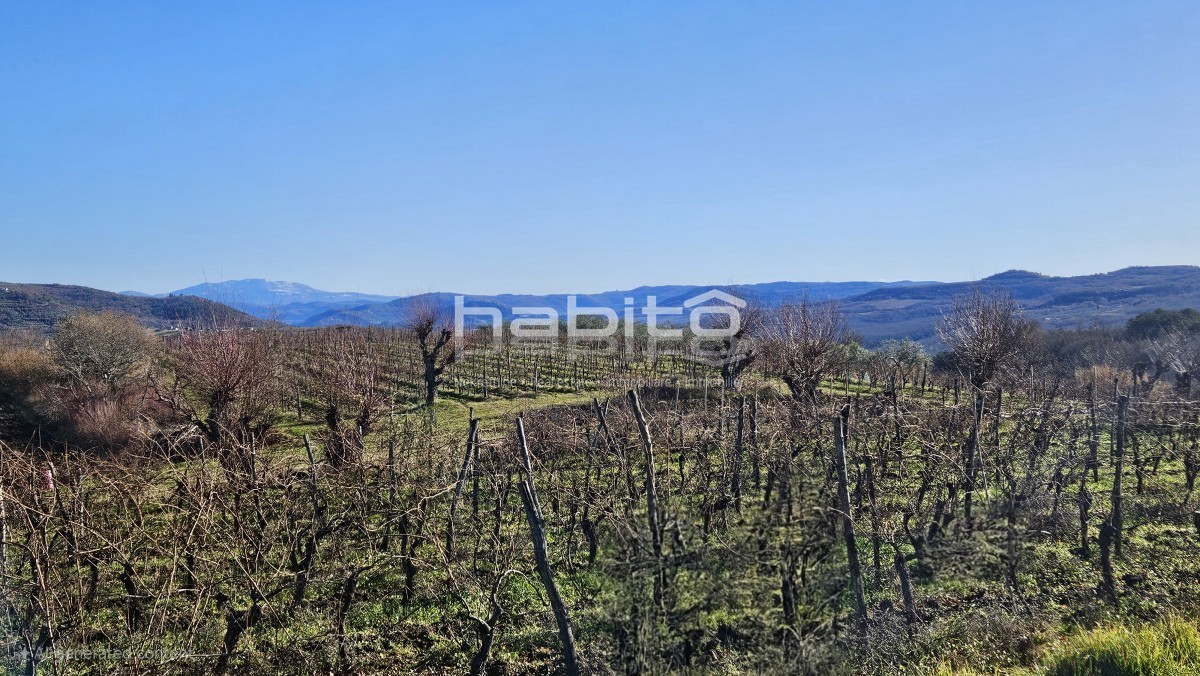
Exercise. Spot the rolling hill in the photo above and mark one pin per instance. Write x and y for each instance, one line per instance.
(1108, 299)
(39, 306)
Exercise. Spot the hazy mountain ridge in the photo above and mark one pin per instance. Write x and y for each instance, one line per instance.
(875, 310)
(289, 302)
(768, 294)
(264, 292)
(302, 305)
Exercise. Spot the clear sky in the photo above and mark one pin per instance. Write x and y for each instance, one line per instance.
(486, 147)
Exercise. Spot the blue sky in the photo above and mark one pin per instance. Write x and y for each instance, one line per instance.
(555, 147)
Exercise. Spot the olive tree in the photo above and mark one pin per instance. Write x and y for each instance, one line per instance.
(739, 350)
(903, 359)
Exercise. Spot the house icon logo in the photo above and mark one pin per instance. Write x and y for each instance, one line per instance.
(710, 304)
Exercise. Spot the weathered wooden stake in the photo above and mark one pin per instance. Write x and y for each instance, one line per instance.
(652, 514)
(537, 532)
(1118, 508)
(463, 473)
(840, 424)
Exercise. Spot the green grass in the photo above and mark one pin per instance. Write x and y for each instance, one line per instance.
(1167, 648)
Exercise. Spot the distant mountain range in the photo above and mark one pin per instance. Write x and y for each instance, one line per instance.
(288, 302)
(301, 305)
(876, 310)
(38, 306)
(396, 311)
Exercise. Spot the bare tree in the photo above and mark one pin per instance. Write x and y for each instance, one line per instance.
(434, 335)
(739, 351)
(806, 342)
(350, 383)
(987, 334)
(986, 331)
(226, 380)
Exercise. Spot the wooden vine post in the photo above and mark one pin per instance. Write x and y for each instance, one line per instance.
(537, 531)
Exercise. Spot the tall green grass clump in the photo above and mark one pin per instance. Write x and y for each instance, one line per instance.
(1168, 648)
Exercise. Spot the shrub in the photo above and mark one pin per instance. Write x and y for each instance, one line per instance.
(103, 353)
(25, 364)
(227, 382)
(104, 361)
(27, 376)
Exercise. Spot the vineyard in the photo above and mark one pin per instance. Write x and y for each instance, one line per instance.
(560, 510)
(600, 339)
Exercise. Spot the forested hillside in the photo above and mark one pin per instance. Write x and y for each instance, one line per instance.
(40, 306)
